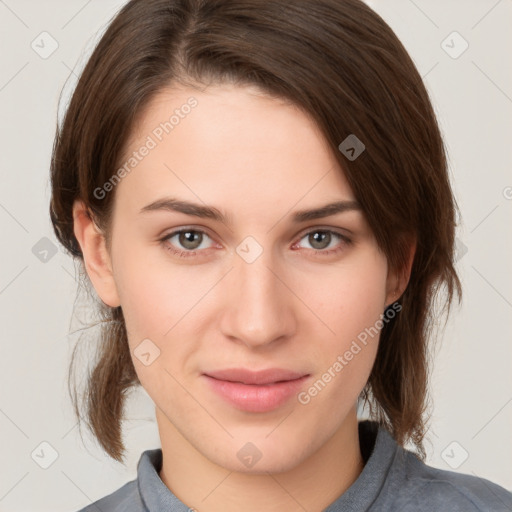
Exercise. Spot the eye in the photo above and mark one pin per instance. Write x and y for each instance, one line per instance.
(189, 240)
(323, 241)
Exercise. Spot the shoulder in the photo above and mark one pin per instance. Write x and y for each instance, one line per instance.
(429, 488)
(125, 499)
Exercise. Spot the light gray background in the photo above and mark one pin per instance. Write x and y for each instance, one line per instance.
(472, 381)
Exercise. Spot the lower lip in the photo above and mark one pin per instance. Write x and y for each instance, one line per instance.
(256, 398)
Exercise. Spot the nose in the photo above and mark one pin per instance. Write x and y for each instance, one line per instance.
(259, 306)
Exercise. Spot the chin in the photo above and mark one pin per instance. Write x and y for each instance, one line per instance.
(260, 457)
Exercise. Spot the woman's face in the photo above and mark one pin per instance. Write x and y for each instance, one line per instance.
(252, 283)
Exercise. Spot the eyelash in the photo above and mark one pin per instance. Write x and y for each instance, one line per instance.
(316, 252)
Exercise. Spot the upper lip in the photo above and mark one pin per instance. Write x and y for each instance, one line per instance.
(245, 376)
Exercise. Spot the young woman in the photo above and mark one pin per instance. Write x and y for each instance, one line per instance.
(258, 192)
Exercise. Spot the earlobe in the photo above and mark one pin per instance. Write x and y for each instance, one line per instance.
(397, 281)
(97, 260)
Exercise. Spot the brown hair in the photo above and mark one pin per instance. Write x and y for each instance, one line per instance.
(344, 66)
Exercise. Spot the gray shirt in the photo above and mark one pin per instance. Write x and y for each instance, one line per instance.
(393, 479)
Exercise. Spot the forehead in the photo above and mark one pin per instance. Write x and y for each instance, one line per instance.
(229, 144)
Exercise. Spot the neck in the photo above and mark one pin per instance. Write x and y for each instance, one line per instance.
(313, 484)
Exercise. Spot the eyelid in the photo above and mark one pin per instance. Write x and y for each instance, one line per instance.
(344, 241)
(177, 231)
(343, 232)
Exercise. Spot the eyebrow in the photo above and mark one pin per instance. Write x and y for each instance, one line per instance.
(210, 212)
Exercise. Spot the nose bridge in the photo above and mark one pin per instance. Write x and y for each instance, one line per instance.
(260, 308)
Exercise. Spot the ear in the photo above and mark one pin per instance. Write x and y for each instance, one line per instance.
(96, 257)
(397, 281)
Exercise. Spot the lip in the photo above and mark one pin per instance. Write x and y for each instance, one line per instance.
(256, 391)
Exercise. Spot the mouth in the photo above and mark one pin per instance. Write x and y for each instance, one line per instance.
(260, 391)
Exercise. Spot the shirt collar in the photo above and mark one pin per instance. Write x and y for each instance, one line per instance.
(379, 450)
(155, 495)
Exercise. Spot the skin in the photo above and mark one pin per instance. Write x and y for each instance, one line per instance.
(258, 160)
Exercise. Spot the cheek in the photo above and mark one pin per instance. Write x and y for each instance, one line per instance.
(350, 298)
(345, 358)
(350, 304)
(164, 303)
(155, 294)
(158, 303)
